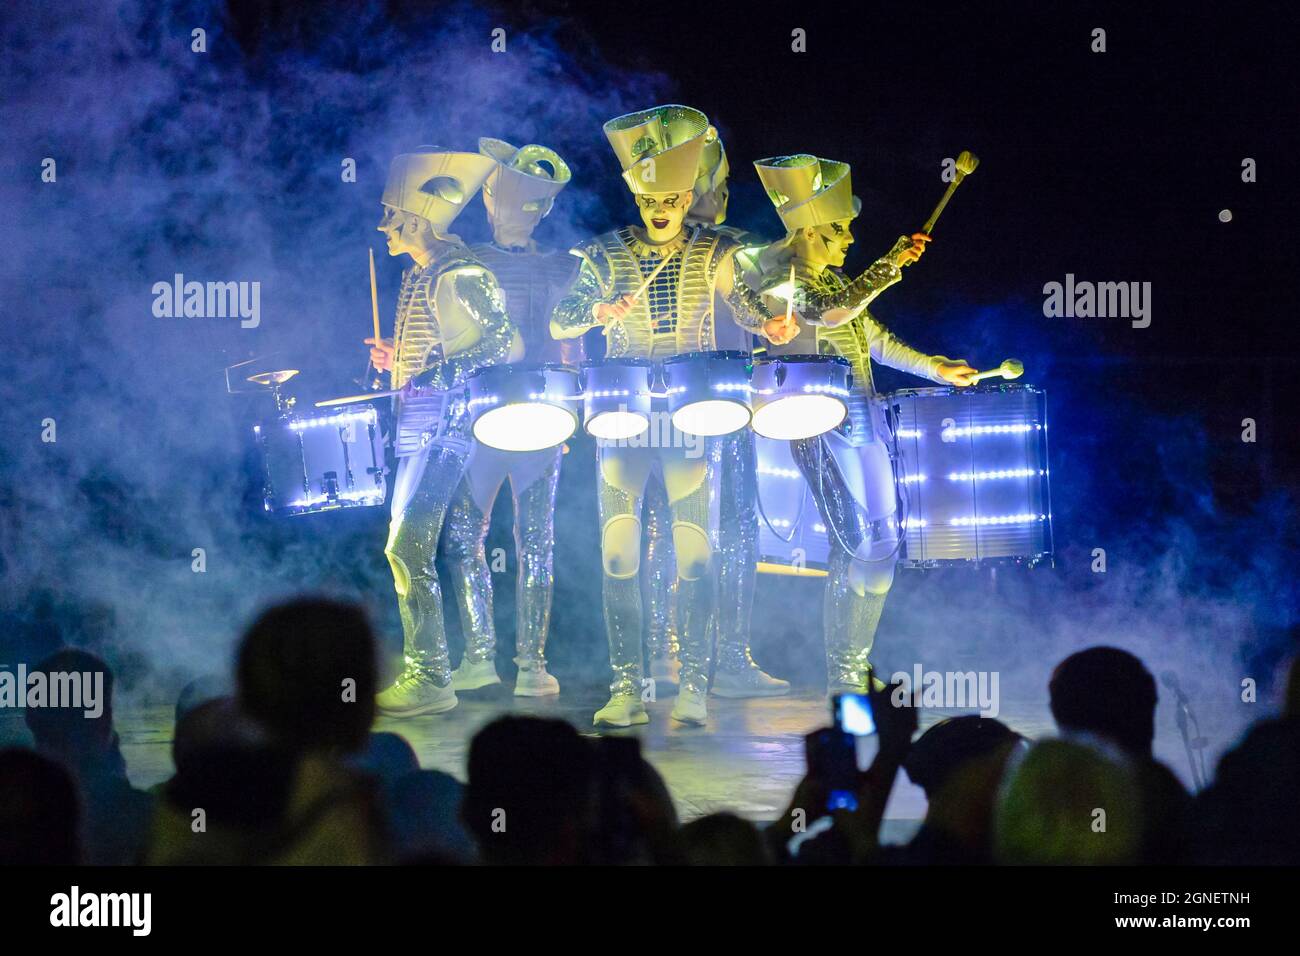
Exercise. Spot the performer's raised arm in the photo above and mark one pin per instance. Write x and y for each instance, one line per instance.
(888, 349)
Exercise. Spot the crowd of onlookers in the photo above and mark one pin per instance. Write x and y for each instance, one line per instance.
(287, 770)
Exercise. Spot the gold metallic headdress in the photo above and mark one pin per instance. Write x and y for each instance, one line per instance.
(523, 175)
(808, 191)
(713, 172)
(435, 184)
(659, 148)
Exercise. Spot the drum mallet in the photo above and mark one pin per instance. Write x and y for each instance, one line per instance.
(966, 163)
(641, 288)
(1009, 369)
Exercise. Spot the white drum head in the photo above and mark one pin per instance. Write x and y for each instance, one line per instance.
(799, 416)
(616, 425)
(715, 416)
(525, 426)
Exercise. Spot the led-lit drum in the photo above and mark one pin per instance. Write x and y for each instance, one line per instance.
(322, 462)
(791, 536)
(972, 473)
(523, 407)
(799, 396)
(616, 397)
(708, 392)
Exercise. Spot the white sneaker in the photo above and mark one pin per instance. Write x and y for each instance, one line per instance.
(665, 672)
(472, 676)
(413, 694)
(690, 707)
(749, 682)
(623, 710)
(536, 682)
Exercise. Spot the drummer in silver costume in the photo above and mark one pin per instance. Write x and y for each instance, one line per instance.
(518, 194)
(848, 469)
(659, 150)
(451, 320)
(732, 458)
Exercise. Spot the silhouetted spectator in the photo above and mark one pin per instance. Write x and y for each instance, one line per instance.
(1106, 692)
(531, 795)
(1066, 803)
(425, 819)
(307, 678)
(723, 839)
(79, 735)
(40, 818)
(636, 818)
(1250, 814)
(959, 763)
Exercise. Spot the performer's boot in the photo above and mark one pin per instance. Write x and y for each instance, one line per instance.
(623, 620)
(415, 693)
(473, 675)
(534, 544)
(463, 547)
(852, 620)
(692, 694)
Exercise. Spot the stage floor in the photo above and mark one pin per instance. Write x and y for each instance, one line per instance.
(748, 759)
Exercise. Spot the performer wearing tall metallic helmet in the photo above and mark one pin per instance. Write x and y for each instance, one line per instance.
(518, 194)
(659, 151)
(450, 321)
(732, 457)
(848, 468)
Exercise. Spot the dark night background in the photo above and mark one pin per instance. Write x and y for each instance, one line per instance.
(1112, 166)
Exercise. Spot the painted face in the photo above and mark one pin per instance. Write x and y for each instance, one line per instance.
(403, 232)
(829, 243)
(663, 213)
(513, 225)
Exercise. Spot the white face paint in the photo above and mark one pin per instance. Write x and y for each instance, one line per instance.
(825, 245)
(663, 213)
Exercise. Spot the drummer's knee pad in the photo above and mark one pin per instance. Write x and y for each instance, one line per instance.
(620, 546)
(871, 577)
(693, 551)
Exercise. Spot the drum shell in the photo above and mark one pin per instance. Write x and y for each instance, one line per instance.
(496, 386)
(701, 376)
(322, 462)
(788, 376)
(616, 385)
(985, 492)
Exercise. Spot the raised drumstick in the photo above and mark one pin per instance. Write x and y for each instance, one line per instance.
(1010, 368)
(966, 163)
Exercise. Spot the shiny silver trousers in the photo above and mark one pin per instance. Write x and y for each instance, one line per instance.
(422, 491)
(533, 477)
(732, 466)
(686, 482)
(854, 489)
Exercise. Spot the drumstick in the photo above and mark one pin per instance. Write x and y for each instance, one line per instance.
(1011, 368)
(644, 285)
(374, 297)
(966, 163)
(349, 399)
(789, 298)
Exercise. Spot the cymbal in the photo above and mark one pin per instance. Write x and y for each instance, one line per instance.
(273, 378)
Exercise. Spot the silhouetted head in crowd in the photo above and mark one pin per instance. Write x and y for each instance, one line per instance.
(1066, 803)
(637, 822)
(531, 794)
(200, 691)
(83, 731)
(941, 751)
(722, 839)
(307, 673)
(213, 725)
(1107, 692)
(387, 757)
(40, 816)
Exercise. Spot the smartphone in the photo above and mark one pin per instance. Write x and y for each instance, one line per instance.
(853, 715)
(832, 756)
